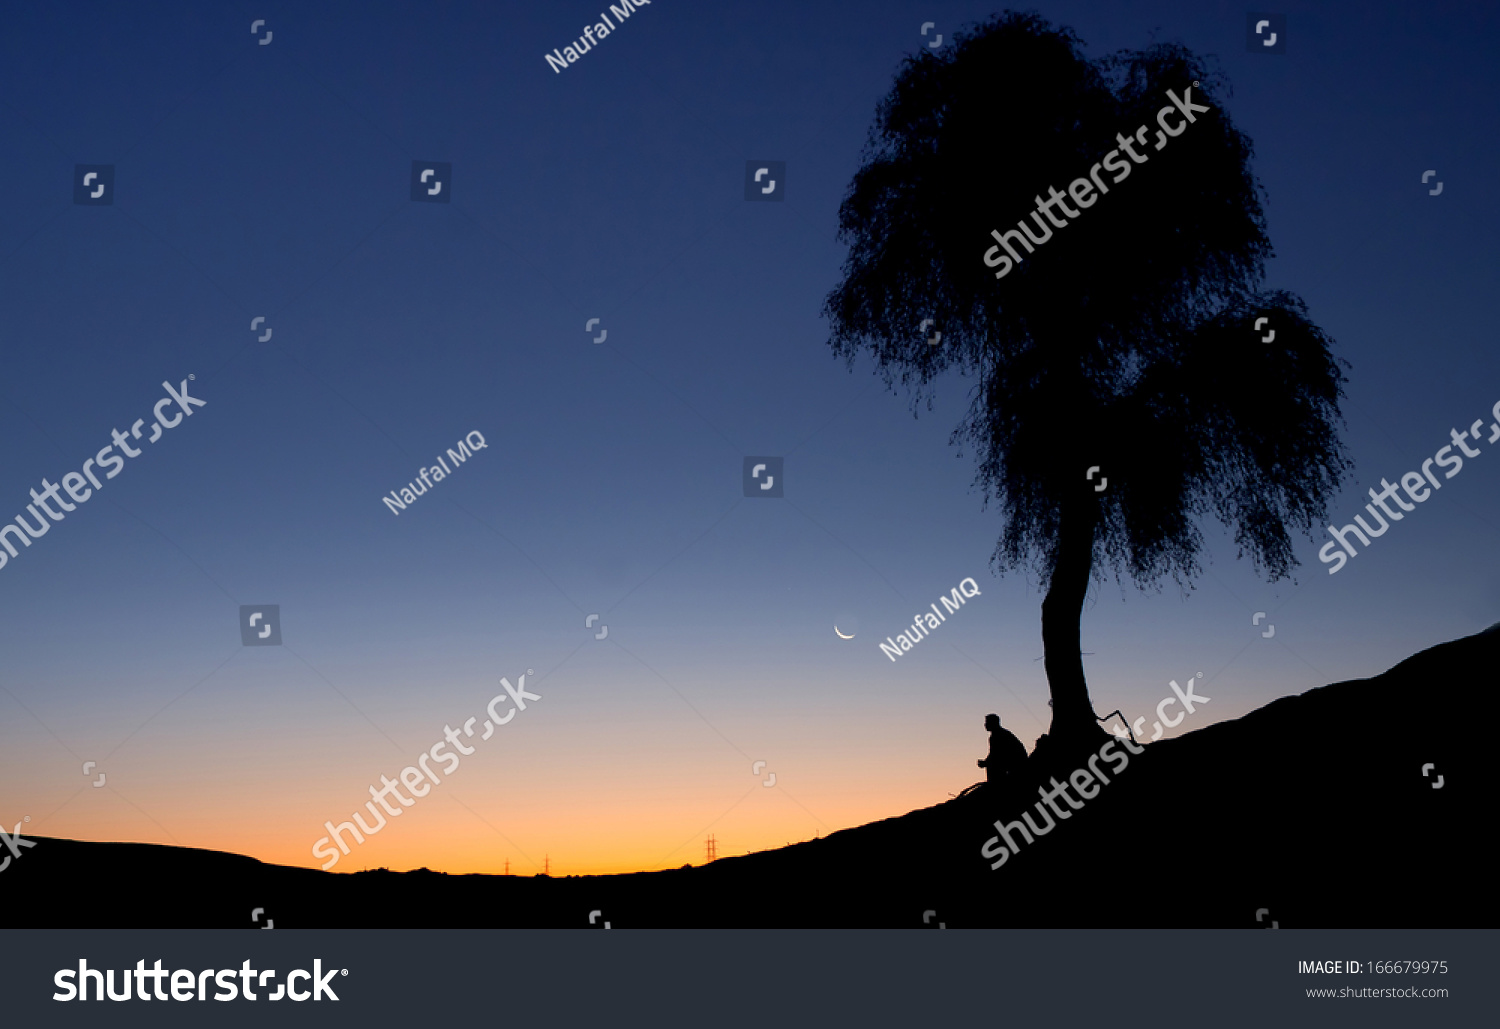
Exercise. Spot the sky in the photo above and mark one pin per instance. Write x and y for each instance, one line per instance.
(272, 180)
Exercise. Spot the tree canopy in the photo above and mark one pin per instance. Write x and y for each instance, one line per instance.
(1127, 341)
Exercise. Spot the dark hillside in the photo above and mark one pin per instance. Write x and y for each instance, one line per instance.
(1313, 808)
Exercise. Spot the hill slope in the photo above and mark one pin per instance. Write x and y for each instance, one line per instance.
(1313, 808)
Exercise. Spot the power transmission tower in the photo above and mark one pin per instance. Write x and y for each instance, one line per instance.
(507, 866)
(713, 848)
(547, 865)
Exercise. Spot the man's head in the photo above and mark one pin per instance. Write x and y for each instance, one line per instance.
(992, 722)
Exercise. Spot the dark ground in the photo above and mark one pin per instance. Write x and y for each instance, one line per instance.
(1313, 807)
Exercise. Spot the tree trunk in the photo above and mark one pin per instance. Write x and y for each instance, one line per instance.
(1062, 616)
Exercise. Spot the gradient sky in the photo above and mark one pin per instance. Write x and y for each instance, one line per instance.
(273, 181)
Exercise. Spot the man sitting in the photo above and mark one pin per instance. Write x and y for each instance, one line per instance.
(1007, 754)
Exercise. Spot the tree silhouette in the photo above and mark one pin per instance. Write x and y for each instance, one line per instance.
(1129, 340)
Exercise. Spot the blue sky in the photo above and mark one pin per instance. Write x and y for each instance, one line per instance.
(273, 181)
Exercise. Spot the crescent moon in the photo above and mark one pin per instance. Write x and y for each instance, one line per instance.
(841, 635)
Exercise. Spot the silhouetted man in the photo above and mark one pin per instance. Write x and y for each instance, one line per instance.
(1007, 754)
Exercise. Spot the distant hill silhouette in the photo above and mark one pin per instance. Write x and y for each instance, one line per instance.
(1314, 808)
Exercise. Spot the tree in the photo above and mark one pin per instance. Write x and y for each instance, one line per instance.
(1127, 339)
